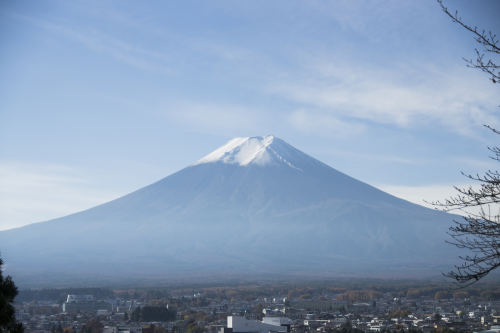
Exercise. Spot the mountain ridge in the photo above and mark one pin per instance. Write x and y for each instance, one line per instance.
(254, 205)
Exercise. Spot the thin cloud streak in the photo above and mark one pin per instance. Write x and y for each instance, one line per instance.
(215, 118)
(37, 192)
(387, 97)
(425, 195)
(121, 50)
(421, 195)
(326, 125)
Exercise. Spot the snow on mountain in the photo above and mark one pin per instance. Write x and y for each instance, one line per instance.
(256, 205)
(250, 150)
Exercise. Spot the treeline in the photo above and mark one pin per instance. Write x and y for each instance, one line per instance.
(60, 295)
(359, 295)
(153, 313)
(482, 292)
(349, 329)
(354, 290)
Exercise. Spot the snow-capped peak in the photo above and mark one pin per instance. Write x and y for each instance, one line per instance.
(245, 151)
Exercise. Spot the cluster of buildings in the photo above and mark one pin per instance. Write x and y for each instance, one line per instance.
(197, 313)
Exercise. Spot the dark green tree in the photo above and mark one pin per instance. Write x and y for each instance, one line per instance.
(192, 327)
(93, 326)
(153, 313)
(57, 329)
(8, 291)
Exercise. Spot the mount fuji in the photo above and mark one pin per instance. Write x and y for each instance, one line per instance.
(254, 207)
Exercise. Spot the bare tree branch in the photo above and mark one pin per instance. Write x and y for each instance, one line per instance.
(479, 230)
(488, 42)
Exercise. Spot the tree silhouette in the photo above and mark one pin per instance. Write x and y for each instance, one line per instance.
(8, 291)
(488, 49)
(479, 230)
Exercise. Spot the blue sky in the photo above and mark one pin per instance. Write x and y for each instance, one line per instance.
(99, 98)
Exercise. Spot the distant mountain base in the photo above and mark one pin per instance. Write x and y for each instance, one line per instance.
(256, 207)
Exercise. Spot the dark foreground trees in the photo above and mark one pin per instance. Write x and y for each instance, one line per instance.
(8, 292)
(153, 313)
(479, 230)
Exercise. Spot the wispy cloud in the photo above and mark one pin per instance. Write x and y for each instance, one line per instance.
(119, 49)
(420, 195)
(368, 157)
(34, 192)
(217, 118)
(393, 97)
(352, 15)
(168, 55)
(324, 124)
(475, 164)
(425, 195)
(122, 51)
(237, 120)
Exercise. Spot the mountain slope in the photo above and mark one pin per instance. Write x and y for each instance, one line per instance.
(255, 205)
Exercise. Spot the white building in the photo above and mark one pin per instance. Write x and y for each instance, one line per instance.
(237, 324)
(277, 321)
(79, 298)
